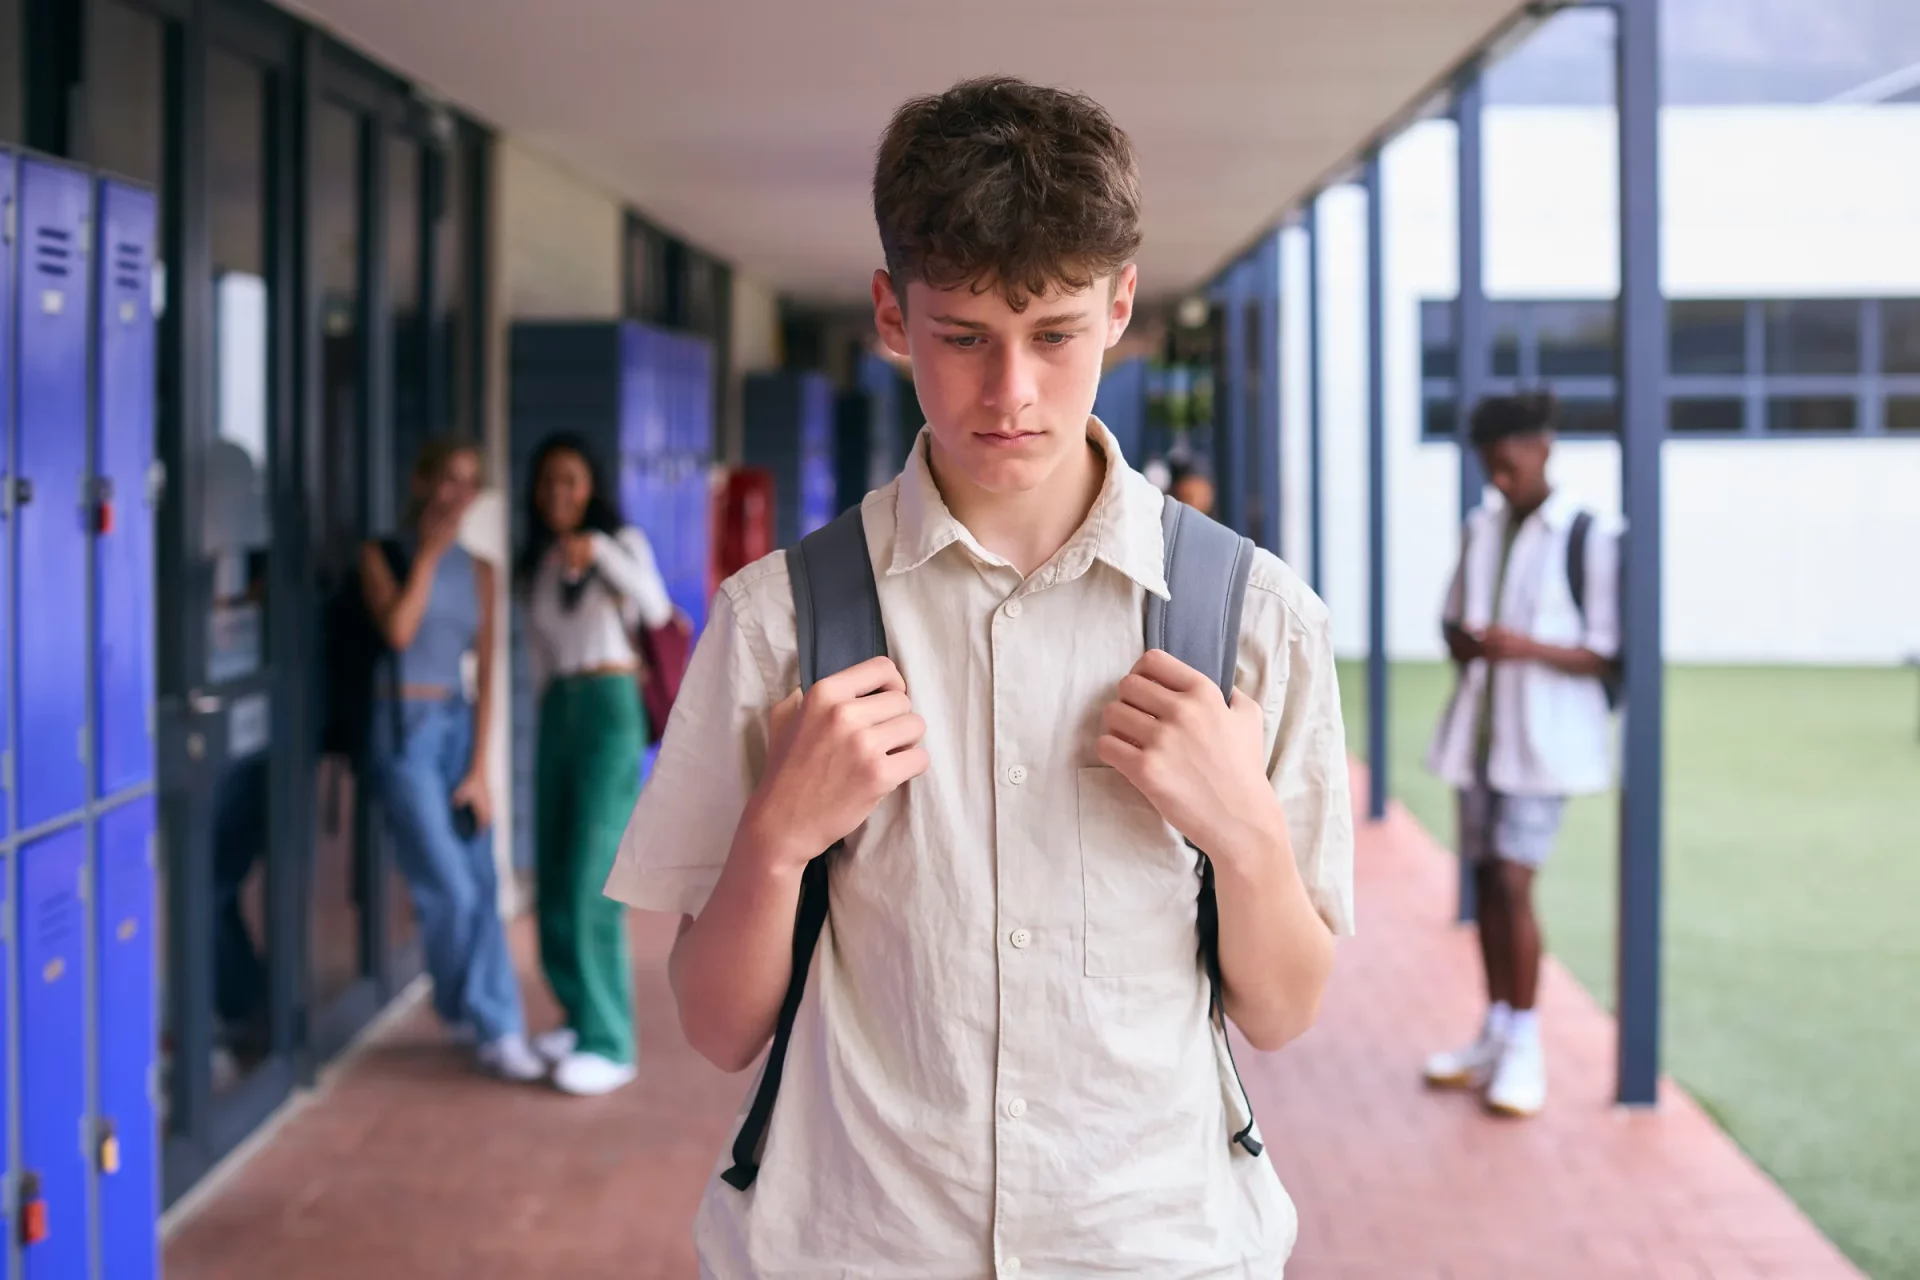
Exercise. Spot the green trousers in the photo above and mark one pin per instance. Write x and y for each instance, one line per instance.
(592, 732)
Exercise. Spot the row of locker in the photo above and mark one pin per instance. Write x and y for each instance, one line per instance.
(78, 1077)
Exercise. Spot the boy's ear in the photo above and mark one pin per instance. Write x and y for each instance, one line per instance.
(889, 314)
(1120, 312)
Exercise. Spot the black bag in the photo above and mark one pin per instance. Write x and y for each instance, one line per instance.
(838, 624)
(355, 658)
(1614, 682)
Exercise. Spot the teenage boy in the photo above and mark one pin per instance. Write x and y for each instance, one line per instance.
(1003, 1061)
(1528, 724)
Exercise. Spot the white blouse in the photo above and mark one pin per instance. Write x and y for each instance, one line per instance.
(624, 591)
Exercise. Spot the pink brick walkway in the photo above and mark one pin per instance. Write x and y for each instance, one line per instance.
(407, 1166)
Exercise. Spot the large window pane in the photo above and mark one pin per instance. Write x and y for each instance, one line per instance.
(454, 340)
(1900, 335)
(1577, 339)
(1707, 338)
(1439, 357)
(1504, 319)
(1584, 417)
(1903, 413)
(1812, 413)
(237, 534)
(1437, 420)
(338, 498)
(1813, 336)
(410, 431)
(1716, 414)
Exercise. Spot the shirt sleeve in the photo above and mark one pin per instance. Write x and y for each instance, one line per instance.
(1308, 767)
(628, 565)
(710, 760)
(1602, 605)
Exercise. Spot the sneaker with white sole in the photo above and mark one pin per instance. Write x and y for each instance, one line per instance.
(1468, 1068)
(557, 1044)
(511, 1058)
(1519, 1085)
(588, 1075)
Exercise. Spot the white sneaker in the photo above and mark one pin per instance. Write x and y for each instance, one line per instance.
(511, 1058)
(1519, 1085)
(588, 1075)
(1468, 1068)
(556, 1044)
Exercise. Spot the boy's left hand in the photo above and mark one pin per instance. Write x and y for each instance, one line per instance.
(1500, 644)
(1200, 761)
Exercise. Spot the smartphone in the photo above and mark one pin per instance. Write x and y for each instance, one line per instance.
(465, 824)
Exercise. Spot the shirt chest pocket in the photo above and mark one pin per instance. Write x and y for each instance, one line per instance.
(1141, 882)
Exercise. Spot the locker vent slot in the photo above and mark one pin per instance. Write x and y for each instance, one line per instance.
(129, 266)
(58, 919)
(53, 250)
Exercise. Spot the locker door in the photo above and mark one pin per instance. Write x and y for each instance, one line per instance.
(53, 1058)
(8, 219)
(128, 1029)
(50, 611)
(123, 554)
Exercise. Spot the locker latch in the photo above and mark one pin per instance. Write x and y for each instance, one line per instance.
(109, 1152)
(33, 1210)
(22, 491)
(103, 505)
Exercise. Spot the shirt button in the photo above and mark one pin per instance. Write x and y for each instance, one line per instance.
(1020, 937)
(1015, 608)
(1017, 774)
(1017, 1108)
(1010, 1268)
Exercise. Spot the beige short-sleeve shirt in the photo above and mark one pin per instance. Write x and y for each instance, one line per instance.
(1003, 1064)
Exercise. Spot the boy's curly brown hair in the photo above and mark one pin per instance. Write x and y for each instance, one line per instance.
(1001, 184)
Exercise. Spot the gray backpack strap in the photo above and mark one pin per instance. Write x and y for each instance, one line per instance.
(1577, 560)
(1206, 566)
(836, 617)
(836, 607)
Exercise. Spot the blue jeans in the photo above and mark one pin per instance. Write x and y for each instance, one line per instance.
(452, 881)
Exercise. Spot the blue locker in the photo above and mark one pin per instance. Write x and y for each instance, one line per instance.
(53, 1060)
(123, 554)
(6, 526)
(128, 1027)
(51, 443)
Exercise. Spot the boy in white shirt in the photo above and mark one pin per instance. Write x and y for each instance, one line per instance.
(1004, 1059)
(1528, 725)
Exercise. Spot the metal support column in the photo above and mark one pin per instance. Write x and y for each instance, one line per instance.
(1472, 356)
(1316, 562)
(1267, 451)
(1376, 502)
(1643, 347)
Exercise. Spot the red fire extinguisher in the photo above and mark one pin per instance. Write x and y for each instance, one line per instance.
(742, 521)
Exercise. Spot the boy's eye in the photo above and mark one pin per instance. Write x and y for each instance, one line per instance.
(1055, 339)
(964, 341)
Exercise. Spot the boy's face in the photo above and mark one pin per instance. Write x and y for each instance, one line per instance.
(1517, 467)
(1006, 393)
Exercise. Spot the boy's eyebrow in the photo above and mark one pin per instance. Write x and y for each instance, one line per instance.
(1055, 321)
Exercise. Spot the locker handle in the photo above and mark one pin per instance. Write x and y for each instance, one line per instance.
(33, 1210)
(109, 1153)
(22, 491)
(203, 704)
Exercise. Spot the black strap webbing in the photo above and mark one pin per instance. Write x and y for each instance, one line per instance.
(836, 617)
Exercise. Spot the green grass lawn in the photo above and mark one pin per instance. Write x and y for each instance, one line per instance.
(1792, 1007)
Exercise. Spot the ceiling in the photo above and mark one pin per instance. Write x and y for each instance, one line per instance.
(749, 127)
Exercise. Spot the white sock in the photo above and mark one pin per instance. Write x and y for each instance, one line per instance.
(1499, 1020)
(1523, 1027)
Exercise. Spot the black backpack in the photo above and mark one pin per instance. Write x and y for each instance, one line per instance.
(838, 624)
(355, 658)
(1614, 682)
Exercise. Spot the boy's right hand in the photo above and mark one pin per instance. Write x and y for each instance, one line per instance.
(834, 755)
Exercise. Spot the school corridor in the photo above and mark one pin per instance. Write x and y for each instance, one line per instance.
(404, 1163)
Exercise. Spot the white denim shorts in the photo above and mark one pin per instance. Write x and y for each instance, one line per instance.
(1516, 829)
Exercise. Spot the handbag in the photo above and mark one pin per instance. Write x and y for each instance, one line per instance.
(663, 653)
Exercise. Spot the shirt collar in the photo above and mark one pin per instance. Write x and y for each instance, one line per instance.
(1555, 513)
(1121, 530)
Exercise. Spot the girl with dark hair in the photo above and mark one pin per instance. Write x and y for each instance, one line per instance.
(590, 582)
(433, 603)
